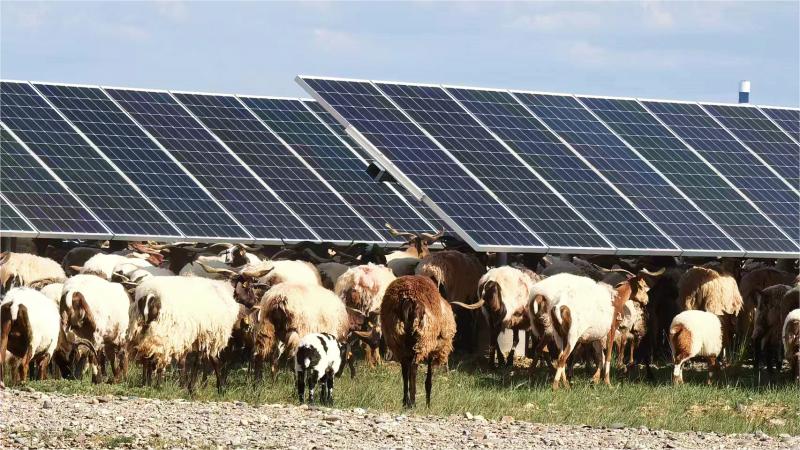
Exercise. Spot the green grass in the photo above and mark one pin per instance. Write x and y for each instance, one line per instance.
(734, 405)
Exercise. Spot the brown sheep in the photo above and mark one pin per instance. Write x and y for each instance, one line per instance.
(419, 327)
(751, 284)
(767, 325)
(457, 276)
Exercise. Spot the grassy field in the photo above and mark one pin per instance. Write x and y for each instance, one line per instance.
(733, 406)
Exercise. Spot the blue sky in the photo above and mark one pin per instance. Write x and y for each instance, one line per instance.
(693, 51)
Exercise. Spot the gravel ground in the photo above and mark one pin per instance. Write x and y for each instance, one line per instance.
(33, 419)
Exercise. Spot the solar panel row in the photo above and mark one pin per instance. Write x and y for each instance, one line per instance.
(145, 152)
(572, 169)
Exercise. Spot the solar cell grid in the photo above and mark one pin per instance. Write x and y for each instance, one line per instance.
(11, 223)
(212, 165)
(37, 194)
(296, 184)
(708, 190)
(421, 207)
(482, 219)
(333, 160)
(763, 137)
(513, 183)
(158, 176)
(787, 119)
(735, 162)
(117, 204)
(651, 194)
(614, 217)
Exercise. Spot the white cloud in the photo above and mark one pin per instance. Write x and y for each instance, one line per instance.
(558, 21)
(656, 16)
(174, 10)
(335, 40)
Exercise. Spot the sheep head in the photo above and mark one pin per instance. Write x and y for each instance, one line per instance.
(416, 242)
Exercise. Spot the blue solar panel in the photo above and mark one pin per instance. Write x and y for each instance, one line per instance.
(35, 192)
(158, 176)
(513, 183)
(104, 190)
(734, 161)
(11, 222)
(299, 187)
(421, 207)
(466, 202)
(212, 165)
(708, 190)
(762, 136)
(322, 149)
(592, 196)
(788, 119)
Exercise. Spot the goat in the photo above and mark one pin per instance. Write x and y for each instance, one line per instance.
(791, 342)
(24, 268)
(505, 292)
(177, 317)
(97, 310)
(695, 333)
(416, 245)
(320, 357)
(751, 284)
(291, 310)
(419, 327)
(29, 330)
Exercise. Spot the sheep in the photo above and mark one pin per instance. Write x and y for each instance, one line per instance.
(176, 317)
(319, 358)
(330, 272)
(403, 266)
(505, 292)
(767, 325)
(97, 310)
(24, 268)
(103, 265)
(791, 342)
(457, 276)
(582, 312)
(252, 281)
(290, 310)
(361, 289)
(712, 290)
(631, 331)
(29, 330)
(416, 245)
(751, 284)
(419, 326)
(77, 257)
(695, 333)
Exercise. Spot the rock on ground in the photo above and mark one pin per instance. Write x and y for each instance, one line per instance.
(34, 420)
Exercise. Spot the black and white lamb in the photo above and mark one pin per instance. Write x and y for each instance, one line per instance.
(319, 358)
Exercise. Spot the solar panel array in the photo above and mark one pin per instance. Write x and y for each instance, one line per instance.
(599, 156)
(505, 170)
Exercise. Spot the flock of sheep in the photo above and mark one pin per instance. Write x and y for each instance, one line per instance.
(207, 308)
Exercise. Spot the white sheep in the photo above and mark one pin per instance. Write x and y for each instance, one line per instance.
(582, 312)
(53, 292)
(791, 342)
(103, 265)
(23, 269)
(291, 310)
(177, 316)
(695, 333)
(29, 328)
(319, 358)
(97, 310)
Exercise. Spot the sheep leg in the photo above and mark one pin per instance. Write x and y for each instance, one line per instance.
(677, 371)
(405, 368)
(301, 385)
(43, 367)
(713, 369)
(313, 376)
(514, 343)
(412, 381)
(428, 384)
(191, 371)
(597, 348)
(494, 348)
(561, 367)
(215, 364)
(329, 382)
(108, 350)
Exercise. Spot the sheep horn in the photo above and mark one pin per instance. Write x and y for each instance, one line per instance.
(618, 269)
(356, 311)
(210, 269)
(258, 274)
(396, 233)
(316, 258)
(248, 248)
(657, 273)
(78, 269)
(470, 307)
(363, 334)
(81, 341)
(432, 237)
